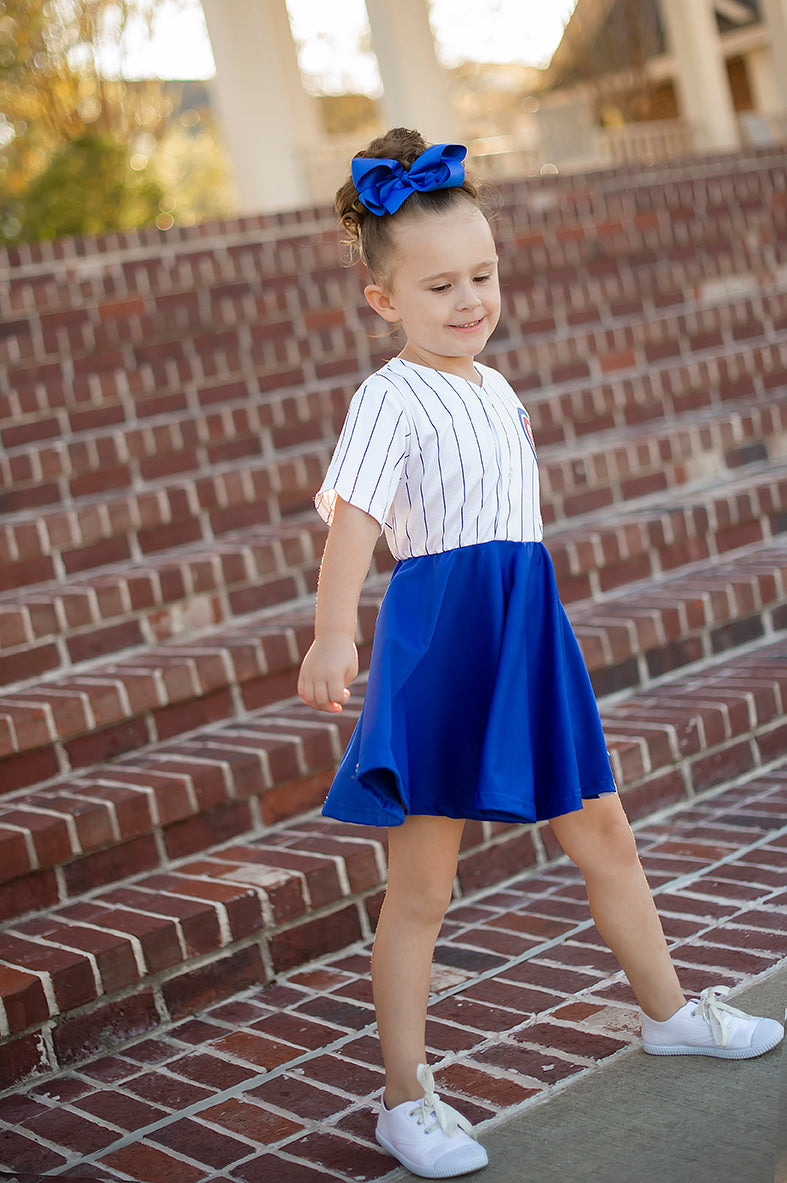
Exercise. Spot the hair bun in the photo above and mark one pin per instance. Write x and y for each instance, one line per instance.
(400, 143)
(366, 232)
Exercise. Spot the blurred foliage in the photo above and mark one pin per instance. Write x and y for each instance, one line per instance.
(191, 166)
(88, 188)
(81, 152)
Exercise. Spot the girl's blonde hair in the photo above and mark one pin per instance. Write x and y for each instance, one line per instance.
(371, 236)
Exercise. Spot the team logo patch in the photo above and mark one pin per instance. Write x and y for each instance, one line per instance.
(524, 419)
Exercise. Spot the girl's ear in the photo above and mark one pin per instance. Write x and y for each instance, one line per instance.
(379, 300)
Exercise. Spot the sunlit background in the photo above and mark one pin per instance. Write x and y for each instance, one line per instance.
(131, 82)
(334, 45)
(112, 114)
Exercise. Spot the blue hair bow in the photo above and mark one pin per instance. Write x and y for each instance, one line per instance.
(383, 185)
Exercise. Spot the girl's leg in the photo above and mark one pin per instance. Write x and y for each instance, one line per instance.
(422, 857)
(599, 840)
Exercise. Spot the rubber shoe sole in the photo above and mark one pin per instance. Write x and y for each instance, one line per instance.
(771, 1040)
(474, 1159)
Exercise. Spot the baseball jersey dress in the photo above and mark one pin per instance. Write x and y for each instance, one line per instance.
(478, 702)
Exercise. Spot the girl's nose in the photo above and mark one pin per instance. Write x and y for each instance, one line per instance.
(468, 297)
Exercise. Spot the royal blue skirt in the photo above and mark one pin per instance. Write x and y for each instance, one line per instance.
(478, 704)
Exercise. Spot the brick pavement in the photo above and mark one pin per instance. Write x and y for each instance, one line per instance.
(277, 1082)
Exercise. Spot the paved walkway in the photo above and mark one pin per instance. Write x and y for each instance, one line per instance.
(537, 1029)
(665, 1119)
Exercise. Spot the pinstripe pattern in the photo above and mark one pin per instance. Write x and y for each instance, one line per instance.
(438, 461)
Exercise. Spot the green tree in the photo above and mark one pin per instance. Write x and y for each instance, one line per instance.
(88, 188)
(77, 148)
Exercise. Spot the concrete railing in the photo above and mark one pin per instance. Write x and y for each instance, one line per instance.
(506, 158)
(645, 142)
(759, 128)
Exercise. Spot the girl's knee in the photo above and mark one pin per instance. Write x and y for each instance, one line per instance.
(598, 838)
(422, 858)
(424, 904)
(617, 843)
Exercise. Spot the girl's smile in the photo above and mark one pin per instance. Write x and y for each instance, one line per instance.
(469, 327)
(443, 289)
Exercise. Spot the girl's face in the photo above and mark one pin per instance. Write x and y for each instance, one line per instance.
(443, 288)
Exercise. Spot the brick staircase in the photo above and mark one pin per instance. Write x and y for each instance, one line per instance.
(167, 408)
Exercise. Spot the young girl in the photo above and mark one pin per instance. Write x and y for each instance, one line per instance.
(478, 702)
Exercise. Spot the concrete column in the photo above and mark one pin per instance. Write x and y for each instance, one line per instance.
(270, 122)
(701, 77)
(763, 80)
(415, 86)
(774, 17)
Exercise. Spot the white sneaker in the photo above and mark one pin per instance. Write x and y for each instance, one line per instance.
(706, 1026)
(429, 1138)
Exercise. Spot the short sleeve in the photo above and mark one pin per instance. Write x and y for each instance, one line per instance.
(370, 455)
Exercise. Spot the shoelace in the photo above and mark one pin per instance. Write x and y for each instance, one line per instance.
(714, 1011)
(430, 1106)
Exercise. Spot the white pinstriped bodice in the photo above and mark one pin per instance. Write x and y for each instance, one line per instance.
(439, 461)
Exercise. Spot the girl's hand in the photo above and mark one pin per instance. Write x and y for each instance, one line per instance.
(330, 664)
(332, 661)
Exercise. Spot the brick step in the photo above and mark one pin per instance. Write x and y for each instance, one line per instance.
(151, 950)
(625, 395)
(535, 932)
(615, 467)
(628, 310)
(714, 334)
(49, 275)
(52, 454)
(635, 637)
(513, 966)
(704, 181)
(308, 266)
(145, 811)
(63, 457)
(157, 320)
(127, 526)
(53, 626)
(654, 255)
(669, 231)
(159, 598)
(323, 330)
(179, 791)
(595, 473)
(192, 348)
(106, 707)
(66, 469)
(688, 525)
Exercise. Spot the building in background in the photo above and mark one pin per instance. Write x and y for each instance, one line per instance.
(643, 79)
(631, 79)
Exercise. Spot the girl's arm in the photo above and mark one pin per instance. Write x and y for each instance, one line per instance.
(332, 661)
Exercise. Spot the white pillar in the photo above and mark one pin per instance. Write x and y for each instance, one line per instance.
(763, 81)
(270, 122)
(701, 77)
(774, 17)
(415, 86)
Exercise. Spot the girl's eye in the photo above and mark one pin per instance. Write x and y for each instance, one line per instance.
(441, 287)
(482, 278)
